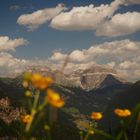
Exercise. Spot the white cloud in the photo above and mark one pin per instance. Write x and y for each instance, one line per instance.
(133, 1)
(107, 52)
(137, 73)
(120, 24)
(79, 56)
(85, 17)
(102, 19)
(128, 65)
(37, 18)
(7, 44)
(58, 56)
(10, 64)
(123, 56)
(111, 64)
(73, 66)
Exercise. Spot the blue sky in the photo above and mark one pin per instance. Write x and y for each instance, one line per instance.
(45, 39)
(51, 36)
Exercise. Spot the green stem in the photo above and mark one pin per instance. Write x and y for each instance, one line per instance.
(87, 135)
(52, 117)
(33, 111)
(40, 108)
(48, 135)
(124, 128)
(125, 136)
(136, 128)
(29, 104)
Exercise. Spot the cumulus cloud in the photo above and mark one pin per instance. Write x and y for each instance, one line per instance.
(39, 17)
(122, 56)
(102, 19)
(128, 65)
(58, 56)
(73, 66)
(8, 63)
(111, 64)
(120, 24)
(133, 1)
(108, 51)
(85, 17)
(78, 56)
(11, 66)
(137, 73)
(7, 44)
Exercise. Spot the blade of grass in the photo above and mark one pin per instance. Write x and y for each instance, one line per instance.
(119, 136)
(135, 112)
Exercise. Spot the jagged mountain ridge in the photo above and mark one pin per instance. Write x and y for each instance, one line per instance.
(96, 77)
(93, 77)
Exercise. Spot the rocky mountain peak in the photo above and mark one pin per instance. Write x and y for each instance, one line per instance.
(93, 77)
(96, 76)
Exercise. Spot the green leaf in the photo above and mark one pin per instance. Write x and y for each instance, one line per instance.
(135, 112)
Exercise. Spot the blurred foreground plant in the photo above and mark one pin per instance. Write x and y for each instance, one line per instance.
(43, 103)
(8, 113)
(35, 85)
(126, 117)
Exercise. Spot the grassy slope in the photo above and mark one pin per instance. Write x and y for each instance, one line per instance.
(104, 100)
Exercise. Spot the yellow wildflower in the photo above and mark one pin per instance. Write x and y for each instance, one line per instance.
(46, 127)
(40, 82)
(122, 112)
(96, 115)
(26, 118)
(91, 132)
(81, 132)
(28, 93)
(27, 76)
(25, 83)
(54, 99)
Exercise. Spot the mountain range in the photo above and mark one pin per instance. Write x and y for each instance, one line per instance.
(93, 77)
(96, 88)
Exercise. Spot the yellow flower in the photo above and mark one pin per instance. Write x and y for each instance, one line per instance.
(122, 112)
(91, 132)
(40, 82)
(46, 127)
(27, 76)
(28, 93)
(26, 118)
(25, 84)
(54, 99)
(96, 115)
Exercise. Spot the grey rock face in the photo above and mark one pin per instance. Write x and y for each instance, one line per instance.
(96, 76)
